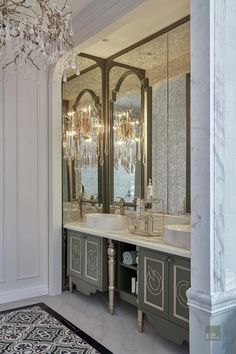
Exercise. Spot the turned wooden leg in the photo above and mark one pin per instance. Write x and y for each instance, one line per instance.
(70, 285)
(140, 321)
(111, 275)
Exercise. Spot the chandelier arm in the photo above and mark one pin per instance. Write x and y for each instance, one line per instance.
(44, 6)
(67, 13)
(16, 4)
(20, 13)
(11, 62)
(10, 10)
(33, 63)
(68, 43)
(28, 8)
(64, 7)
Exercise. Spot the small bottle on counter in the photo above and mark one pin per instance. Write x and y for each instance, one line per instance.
(133, 285)
(149, 190)
(138, 208)
(142, 208)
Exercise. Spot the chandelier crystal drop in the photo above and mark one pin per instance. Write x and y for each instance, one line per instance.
(128, 138)
(83, 138)
(36, 33)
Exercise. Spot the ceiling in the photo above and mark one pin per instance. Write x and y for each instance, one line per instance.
(76, 6)
(144, 20)
(163, 58)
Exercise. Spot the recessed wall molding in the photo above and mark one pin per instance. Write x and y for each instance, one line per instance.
(25, 180)
(23, 185)
(2, 184)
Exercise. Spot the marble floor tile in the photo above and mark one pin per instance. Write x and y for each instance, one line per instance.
(118, 333)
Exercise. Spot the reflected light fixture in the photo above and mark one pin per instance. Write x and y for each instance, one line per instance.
(128, 138)
(83, 138)
(36, 32)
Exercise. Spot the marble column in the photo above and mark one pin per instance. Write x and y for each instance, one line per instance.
(212, 297)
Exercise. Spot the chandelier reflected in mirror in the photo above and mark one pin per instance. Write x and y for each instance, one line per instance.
(83, 138)
(128, 138)
(35, 33)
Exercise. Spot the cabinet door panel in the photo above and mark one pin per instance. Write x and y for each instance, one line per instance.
(92, 260)
(153, 282)
(179, 284)
(75, 252)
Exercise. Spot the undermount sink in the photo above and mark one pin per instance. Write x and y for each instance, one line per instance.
(178, 235)
(106, 222)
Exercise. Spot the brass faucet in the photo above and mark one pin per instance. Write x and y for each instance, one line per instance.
(81, 201)
(121, 205)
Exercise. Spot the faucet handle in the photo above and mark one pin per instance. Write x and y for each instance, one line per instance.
(122, 200)
(122, 205)
(80, 197)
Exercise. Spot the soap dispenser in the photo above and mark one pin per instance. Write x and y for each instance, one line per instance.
(149, 190)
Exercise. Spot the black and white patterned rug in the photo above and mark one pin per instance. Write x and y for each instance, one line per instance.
(39, 329)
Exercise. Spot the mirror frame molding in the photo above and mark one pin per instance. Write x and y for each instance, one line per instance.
(146, 118)
(97, 103)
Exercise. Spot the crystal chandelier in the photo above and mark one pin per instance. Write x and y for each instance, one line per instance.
(128, 138)
(36, 32)
(83, 137)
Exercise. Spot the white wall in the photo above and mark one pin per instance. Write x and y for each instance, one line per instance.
(23, 185)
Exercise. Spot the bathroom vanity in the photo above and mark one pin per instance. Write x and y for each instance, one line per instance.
(94, 258)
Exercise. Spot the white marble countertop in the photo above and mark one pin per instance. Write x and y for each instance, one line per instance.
(154, 243)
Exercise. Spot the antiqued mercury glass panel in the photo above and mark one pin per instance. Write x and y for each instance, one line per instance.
(151, 57)
(90, 80)
(178, 72)
(127, 131)
(179, 50)
(115, 73)
(160, 122)
(177, 144)
(166, 61)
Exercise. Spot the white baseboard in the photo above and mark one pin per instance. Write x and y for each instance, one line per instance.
(23, 294)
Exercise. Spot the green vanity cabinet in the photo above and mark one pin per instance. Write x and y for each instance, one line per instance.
(87, 262)
(153, 282)
(74, 255)
(163, 282)
(179, 284)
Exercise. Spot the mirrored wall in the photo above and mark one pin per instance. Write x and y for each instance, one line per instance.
(138, 102)
(166, 62)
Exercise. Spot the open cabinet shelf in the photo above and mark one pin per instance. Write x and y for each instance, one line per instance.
(124, 275)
